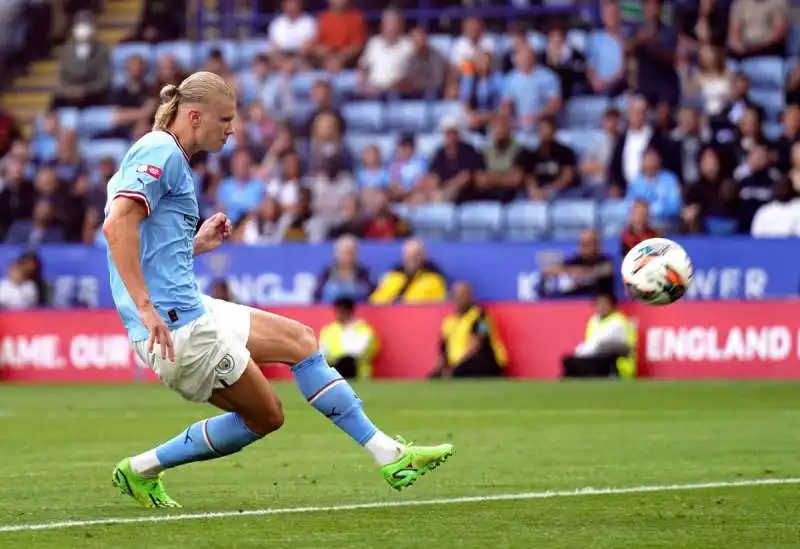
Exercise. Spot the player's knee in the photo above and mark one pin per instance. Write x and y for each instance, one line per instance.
(269, 421)
(306, 342)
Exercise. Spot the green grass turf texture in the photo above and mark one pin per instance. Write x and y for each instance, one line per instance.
(59, 445)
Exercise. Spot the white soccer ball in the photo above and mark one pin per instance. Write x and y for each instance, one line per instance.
(657, 271)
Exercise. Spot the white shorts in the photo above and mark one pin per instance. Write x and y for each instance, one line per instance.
(210, 352)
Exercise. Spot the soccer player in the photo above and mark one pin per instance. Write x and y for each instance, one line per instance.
(207, 349)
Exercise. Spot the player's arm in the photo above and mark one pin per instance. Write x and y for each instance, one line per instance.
(121, 229)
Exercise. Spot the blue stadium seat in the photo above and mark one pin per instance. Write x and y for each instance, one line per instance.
(96, 149)
(721, 226)
(793, 46)
(613, 217)
(345, 84)
(249, 49)
(446, 109)
(436, 221)
(571, 217)
(408, 116)
(183, 52)
(442, 43)
(231, 53)
(480, 221)
(578, 39)
(356, 143)
(772, 101)
(526, 220)
(773, 130)
(764, 72)
(579, 140)
(302, 82)
(68, 118)
(537, 40)
(121, 53)
(94, 120)
(427, 144)
(301, 113)
(585, 111)
(364, 115)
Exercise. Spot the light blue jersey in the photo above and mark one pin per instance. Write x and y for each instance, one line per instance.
(156, 172)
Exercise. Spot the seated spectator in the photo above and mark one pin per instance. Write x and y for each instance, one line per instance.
(263, 225)
(346, 278)
(161, 20)
(530, 91)
(386, 56)
(714, 199)
(9, 131)
(329, 186)
(260, 126)
(713, 81)
(285, 187)
(241, 192)
(551, 169)
(349, 343)
(588, 273)
(738, 103)
(426, 72)
(452, 171)
(789, 137)
(758, 28)
(292, 34)
(48, 188)
(503, 158)
(415, 280)
(471, 346)
(472, 43)
(687, 140)
(45, 142)
(216, 63)
(17, 196)
(659, 188)
(84, 69)
(568, 63)
(283, 144)
(639, 227)
(517, 40)
(326, 144)
(598, 158)
(606, 70)
(324, 104)
(749, 135)
(371, 172)
(168, 71)
(381, 223)
(134, 89)
(341, 35)
(17, 292)
(350, 222)
(779, 218)
(271, 88)
(68, 163)
(609, 349)
(792, 91)
(480, 92)
(757, 188)
(639, 135)
(21, 152)
(705, 23)
(302, 225)
(42, 229)
(405, 170)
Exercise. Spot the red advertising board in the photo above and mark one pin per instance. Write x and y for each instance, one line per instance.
(686, 340)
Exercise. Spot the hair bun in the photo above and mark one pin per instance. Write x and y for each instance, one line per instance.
(168, 93)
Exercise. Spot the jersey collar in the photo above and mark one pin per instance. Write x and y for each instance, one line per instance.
(178, 143)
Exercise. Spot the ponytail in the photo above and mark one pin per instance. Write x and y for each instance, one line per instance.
(168, 109)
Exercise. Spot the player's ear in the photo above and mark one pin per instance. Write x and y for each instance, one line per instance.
(194, 116)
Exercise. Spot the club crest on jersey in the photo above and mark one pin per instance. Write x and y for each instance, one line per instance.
(152, 171)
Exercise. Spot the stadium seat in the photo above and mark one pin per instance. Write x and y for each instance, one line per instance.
(585, 111)
(480, 221)
(537, 40)
(773, 130)
(526, 220)
(570, 218)
(764, 72)
(356, 143)
(446, 109)
(121, 53)
(68, 118)
(302, 82)
(408, 116)
(183, 52)
(94, 120)
(442, 43)
(578, 39)
(301, 113)
(345, 84)
(427, 144)
(579, 140)
(231, 53)
(772, 101)
(613, 217)
(249, 49)
(436, 221)
(793, 46)
(364, 115)
(96, 149)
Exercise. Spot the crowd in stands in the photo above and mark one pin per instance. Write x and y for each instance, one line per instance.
(386, 134)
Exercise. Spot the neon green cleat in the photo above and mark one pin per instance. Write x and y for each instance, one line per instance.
(415, 462)
(149, 492)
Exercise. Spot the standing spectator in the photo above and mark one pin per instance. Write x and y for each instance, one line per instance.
(426, 71)
(480, 92)
(415, 280)
(42, 229)
(779, 218)
(341, 35)
(346, 277)
(659, 188)
(758, 27)
(530, 92)
(568, 63)
(17, 292)
(386, 56)
(606, 70)
(713, 201)
(241, 192)
(639, 135)
(17, 196)
(598, 158)
(84, 69)
(503, 155)
(551, 169)
(639, 227)
(292, 34)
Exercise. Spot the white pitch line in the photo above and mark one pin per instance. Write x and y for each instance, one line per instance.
(588, 491)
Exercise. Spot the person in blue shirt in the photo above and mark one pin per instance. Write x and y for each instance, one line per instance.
(605, 54)
(530, 91)
(658, 188)
(205, 349)
(241, 192)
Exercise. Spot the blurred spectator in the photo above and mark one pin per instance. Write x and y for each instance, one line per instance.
(504, 160)
(17, 196)
(341, 35)
(301, 225)
(654, 48)
(47, 186)
(241, 192)
(292, 34)
(638, 228)
(472, 42)
(134, 89)
(67, 164)
(713, 200)
(9, 131)
(285, 187)
(779, 218)
(606, 70)
(346, 277)
(453, 169)
(168, 71)
(21, 152)
(259, 125)
(758, 27)
(568, 63)
(370, 172)
(405, 170)
(75, 203)
(380, 222)
(327, 144)
(161, 20)
(794, 170)
(757, 188)
(712, 80)
(659, 188)
(738, 103)
(687, 141)
(84, 69)
(415, 280)
(263, 225)
(216, 63)
(587, 273)
(45, 141)
(480, 92)
(426, 71)
(789, 137)
(31, 266)
(350, 222)
(271, 88)
(324, 104)
(793, 86)
(349, 343)
(609, 348)
(517, 40)
(551, 169)
(42, 229)
(639, 135)
(16, 291)
(530, 92)
(705, 23)
(282, 145)
(748, 136)
(470, 343)
(386, 56)
(329, 186)
(598, 157)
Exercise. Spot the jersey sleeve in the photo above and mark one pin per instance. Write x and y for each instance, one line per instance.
(146, 174)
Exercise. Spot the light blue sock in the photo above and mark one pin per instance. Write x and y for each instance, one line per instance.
(329, 393)
(207, 439)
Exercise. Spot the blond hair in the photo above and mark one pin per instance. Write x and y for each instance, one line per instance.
(195, 88)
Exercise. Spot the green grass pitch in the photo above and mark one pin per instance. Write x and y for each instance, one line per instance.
(59, 445)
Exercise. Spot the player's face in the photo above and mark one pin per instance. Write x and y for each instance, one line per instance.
(216, 124)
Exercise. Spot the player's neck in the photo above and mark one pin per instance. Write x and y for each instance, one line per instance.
(185, 139)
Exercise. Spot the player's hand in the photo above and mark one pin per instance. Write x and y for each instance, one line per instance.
(159, 333)
(214, 231)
